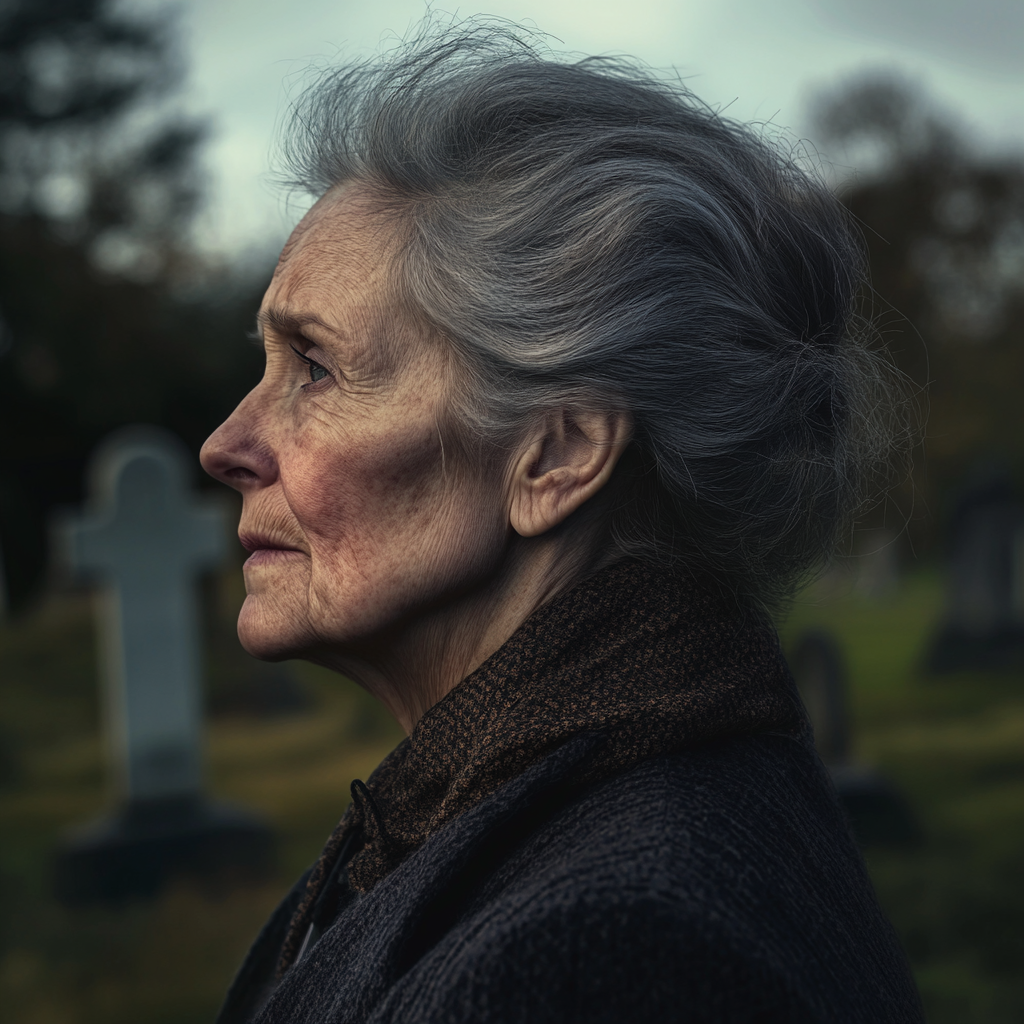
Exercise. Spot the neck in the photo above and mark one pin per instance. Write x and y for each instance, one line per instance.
(419, 662)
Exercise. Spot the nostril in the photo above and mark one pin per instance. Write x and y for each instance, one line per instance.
(235, 457)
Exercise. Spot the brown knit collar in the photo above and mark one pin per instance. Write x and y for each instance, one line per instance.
(633, 653)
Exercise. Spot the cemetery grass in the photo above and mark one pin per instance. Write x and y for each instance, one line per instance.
(166, 961)
(954, 746)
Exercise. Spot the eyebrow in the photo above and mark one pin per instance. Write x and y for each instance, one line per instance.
(289, 323)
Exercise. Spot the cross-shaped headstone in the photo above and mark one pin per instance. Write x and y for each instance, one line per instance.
(145, 539)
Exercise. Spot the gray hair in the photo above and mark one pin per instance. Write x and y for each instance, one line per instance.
(583, 232)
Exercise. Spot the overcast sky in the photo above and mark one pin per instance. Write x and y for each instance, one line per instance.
(762, 58)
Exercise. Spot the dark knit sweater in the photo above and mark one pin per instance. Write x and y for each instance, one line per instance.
(618, 816)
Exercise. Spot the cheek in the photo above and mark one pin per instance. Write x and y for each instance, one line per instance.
(358, 494)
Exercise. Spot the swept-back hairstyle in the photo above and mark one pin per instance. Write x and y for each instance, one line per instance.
(582, 232)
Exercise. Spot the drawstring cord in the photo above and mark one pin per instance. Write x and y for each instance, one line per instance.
(322, 905)
(330, 900)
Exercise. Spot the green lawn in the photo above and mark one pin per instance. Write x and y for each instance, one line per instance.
(955, 746)
(169, 961)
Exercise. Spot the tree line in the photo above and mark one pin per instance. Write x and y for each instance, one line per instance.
(943, 223)
(108, 316)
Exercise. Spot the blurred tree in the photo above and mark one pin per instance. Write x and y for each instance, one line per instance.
(98, 184)
(943, 223)
(84, 144)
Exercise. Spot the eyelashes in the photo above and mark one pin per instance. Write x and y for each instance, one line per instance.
(317, 372)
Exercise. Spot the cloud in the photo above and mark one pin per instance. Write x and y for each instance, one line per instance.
(760, 59)
(984, 34)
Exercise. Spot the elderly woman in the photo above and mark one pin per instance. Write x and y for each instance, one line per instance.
(562, 396)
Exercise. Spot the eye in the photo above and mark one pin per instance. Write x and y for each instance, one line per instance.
(316, 371)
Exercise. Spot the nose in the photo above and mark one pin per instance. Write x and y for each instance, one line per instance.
(236, 454)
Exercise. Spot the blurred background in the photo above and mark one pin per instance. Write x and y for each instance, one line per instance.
(138, 229)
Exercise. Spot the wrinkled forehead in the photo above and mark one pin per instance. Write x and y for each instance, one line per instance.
(341, 267)
(344, 223)
(341, 253)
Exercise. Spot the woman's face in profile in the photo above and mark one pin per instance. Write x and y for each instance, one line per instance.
(356, 517)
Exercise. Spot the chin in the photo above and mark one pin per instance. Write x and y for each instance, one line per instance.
(268, 637)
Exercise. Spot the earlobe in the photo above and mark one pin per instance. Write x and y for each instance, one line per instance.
(570, 458)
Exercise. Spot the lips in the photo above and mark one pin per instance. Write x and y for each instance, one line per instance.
(266, 548)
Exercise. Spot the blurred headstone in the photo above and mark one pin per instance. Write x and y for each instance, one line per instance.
(238, 684)
(143, 541)
(820, 674)
(3, 588)
(256, 689)
(983, 621)
(10, 762)
(22, 546)
(877, 811)
(878, 563)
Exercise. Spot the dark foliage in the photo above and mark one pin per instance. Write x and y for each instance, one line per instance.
(98, 182)
(944, 225)
(79, 144)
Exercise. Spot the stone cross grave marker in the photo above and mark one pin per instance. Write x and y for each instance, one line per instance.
(144, 541)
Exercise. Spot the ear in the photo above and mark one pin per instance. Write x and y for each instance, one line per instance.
(570, 459)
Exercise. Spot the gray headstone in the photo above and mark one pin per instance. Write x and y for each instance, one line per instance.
(877, 563)
(983, 620)
(3, 588)
(144, 540)
(877, 812)
(820, 672)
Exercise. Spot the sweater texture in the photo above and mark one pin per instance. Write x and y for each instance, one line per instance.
(619, 814)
